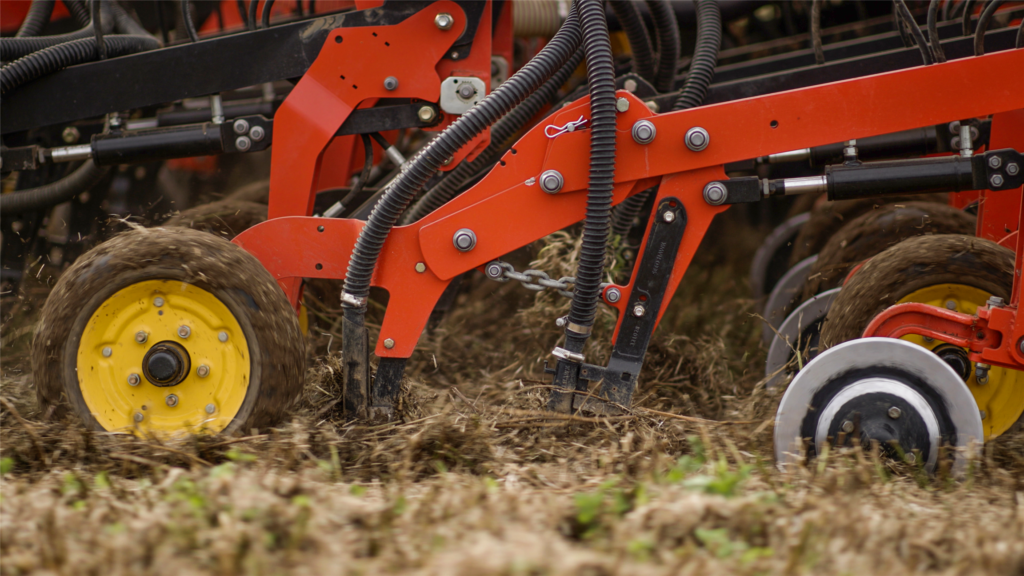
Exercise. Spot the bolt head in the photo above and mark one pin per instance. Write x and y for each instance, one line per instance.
(390, 83)
(494, 270)
(697, 139)
(133, 380)
(141, 337)
(669, 216)
(421, 267)
(622, 104)
(950, 305)
(996, 180)
(210, 408)
(644, 132)
(257, 133)
(715, 194)
(222, 336)
(138, 417)
(911, 458)
(1012, 169)
(158, 301)
(639, 311)
(551, 181)
(630, 85)
(465, 91)
(389, 343)
(464, 240)
(653, 106)
(444, 21)
(894, 412)
(242, 143)
(107, 351)
(70, 135)
(561, 322)
(172, 400)
(995, 302)
(184, 331)
(613, 295)
(995, 161)
(240, 126)
(425, 113)
(847, 426)
(203, 371)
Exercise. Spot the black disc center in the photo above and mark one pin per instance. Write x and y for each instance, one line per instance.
(957, 359)
(166, 364)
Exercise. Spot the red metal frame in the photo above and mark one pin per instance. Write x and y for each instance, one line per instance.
(507, 209)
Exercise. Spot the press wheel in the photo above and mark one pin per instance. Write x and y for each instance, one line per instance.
(953, 271)
(167, 331)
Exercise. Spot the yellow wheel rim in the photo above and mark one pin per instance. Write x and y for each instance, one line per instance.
(1002, 399)
(126, 326)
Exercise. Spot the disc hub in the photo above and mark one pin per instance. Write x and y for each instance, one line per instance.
(166, 364)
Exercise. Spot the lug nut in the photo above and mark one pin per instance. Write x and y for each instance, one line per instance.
(184, 331)
(697, 139)
(133, 380)
(107, 351)
(172, 400)
(389, 343)
(639, 310)
(464, 240)
(895, 412)
(242, 143)
(669, 216)
(138, 417)
(141, 337)
(847, 426)
(622, 104)
(613, 295)
(995, 162)
(644, 132)
(241, 126)
(210, 408)
(158, 301)
(551, 181)
(425, 114)
(1012, 169)
(996, 180)
(715, 194)
(390, 83)
(257, 133)
(203, 371)
(444, 21)
(222, 336)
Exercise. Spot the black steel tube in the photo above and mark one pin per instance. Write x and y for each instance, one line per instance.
(137, 146)
(918, 176)
(916, 142)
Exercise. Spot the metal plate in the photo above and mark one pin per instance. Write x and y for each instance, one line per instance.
(780, 301)
(781, 351)
(452, 103)
(881, 353)
(773, 253)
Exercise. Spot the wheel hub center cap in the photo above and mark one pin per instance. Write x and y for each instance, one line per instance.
(166, 364)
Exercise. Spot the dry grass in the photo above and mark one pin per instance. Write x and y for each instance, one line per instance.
(477, 479)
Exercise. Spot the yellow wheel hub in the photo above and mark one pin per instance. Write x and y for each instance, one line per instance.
(118, 343)
(1001, 400)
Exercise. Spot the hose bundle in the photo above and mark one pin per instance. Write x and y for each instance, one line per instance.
(37, 17)
(81, 180)
(667, 34)
(632, 24)
(115, 19)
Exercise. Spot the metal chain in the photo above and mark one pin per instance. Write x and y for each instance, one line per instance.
(536, 280)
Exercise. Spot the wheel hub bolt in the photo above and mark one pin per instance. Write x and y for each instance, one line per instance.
(995, 162)
(551, 181)
(141, 337)
(613, 295)
(203, 371)
(107, 351)
(210, 408)
(644, 132)
(697, 139)
(895, 412)
(847, 427)
(639, 310)
(133, 379)
(715, 194)
(444, 21)
(222, 336)
(241, 126)
(389, 343)
(464, 240)
(158, 301)
(184, 331)
(138, 417)
(669, 216)
(172, 400)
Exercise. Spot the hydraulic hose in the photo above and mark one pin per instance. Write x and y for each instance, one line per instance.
(96, 9)
(983, 22)
(819, 52)
(254, 21)
(267, 5)
(933, 31)
(601, 78)
(501, 135)
(79, 11)
(49, 60)
(667, 34)
(13, 48)
(628, 14)
(417, 171)
(81, 180)
(965, 19)
(705, 56)
(38, 15)
(186, 18)
(915, 30)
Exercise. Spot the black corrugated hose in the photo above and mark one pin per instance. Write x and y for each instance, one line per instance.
(501, 138)
(79, 11)
(601, 78)
(983, 22)
(417, 171)
(186, 17)
(632, 23)
(667, 34)
(37, 17)
(114, 19)
(96, 11)
(81, 180)
(43, 62)
(965, 18)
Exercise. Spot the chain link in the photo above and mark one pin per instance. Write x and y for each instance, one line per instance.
(536, 280)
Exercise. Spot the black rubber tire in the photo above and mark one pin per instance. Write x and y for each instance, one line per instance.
(909, 266)
(271, 327)
(829, 217)
(873, 232)
(224, 218)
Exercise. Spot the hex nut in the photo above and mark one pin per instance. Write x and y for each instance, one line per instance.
(697, 139)
(241, 126)
(421, 267)
(715, 194)
(389, 343)
(390, 83)
(70, 135)
(613, 295)
(996, 180)
(551, 181)
(203, 371)
(133, 379)
(210, 408)
(172, 400)
(494, 271)
(950, 305)
(158, 301)
(894, 412)
(184, 331)
(630, 85)
(222, 336)
(465, 91)
(444, 21)
(669, 216)
(242, 143)
(622, 104)
(1012, 169)
(644, 132)
(141, 337)
(107, 351)
(425, 114)
(639, 310)
(995, 162)
(464, 240)
(847, 426)
(138, 417)
(257, 133)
